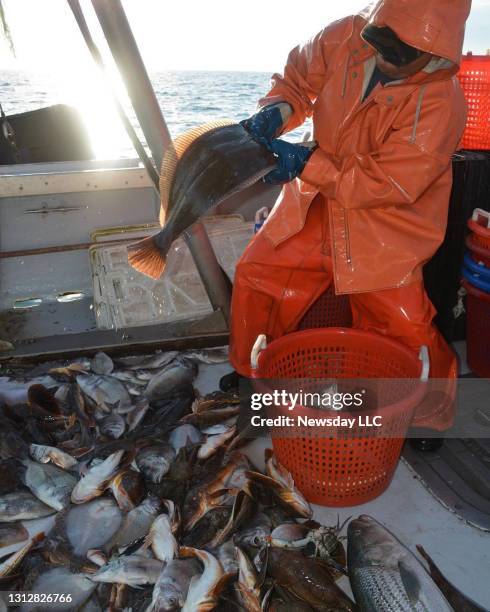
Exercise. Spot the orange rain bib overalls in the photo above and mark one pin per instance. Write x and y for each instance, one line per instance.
(370, 207)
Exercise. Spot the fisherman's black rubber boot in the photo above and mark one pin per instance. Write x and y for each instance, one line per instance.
(424, 442)
(230, 382)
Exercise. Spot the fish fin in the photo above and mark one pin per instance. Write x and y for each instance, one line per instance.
(187, 551)
(264, 480)
(172, 155)
(262, 575)
(39, 537)
(265, 600)
(410, 582)
(220, 585)
(147, 258)
(423, 553)
(268, 454)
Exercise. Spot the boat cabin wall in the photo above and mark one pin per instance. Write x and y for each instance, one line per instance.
(48, 209)
(55, 211)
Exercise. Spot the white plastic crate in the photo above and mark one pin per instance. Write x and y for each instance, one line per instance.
(125, 298)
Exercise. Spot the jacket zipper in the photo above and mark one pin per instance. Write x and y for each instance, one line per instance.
(348, 252)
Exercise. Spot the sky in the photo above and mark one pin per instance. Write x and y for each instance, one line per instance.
(254, 35)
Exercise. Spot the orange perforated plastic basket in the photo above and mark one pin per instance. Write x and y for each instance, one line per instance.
(474, 76)
(358, 466)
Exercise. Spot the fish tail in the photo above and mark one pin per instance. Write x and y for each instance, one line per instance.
(39, 537)
(423, 553)
(148, 257)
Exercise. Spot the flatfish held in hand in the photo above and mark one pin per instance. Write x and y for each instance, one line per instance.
(204, 166)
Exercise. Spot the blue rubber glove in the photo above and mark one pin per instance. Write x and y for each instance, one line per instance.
(291, 159)
(265, 125)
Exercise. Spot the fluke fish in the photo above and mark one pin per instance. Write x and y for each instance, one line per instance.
(204, 166)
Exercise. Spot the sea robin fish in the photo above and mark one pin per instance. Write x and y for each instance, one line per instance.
(203, 167)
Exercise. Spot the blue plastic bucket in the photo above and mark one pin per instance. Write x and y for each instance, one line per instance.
(476, 274)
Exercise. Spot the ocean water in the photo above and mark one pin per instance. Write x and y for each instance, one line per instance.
(187, 99)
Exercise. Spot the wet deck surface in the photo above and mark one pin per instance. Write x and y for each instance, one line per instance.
(410, 511)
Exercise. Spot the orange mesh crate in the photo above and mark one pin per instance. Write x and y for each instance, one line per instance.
(474, 76)
(357, 465)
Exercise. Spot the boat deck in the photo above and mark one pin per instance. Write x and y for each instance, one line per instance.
(409, 510)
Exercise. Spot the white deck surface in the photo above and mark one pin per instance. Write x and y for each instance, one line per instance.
(407, 508)
(410, 511)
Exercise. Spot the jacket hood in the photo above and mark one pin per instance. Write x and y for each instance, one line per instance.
(435, 26)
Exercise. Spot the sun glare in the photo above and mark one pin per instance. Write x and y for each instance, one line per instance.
(88, 92)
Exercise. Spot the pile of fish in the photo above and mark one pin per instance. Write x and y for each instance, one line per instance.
(123, 489)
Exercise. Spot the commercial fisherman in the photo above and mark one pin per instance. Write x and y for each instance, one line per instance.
(367, 207)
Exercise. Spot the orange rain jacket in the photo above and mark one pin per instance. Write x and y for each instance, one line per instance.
(383, 164)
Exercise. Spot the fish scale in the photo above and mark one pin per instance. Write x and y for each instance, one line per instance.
(381, 590)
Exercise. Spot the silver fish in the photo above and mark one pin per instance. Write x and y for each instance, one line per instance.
(248, 583)
(101, 364)
(219, 428)
(280, 481)
(177, 375)
(12, 533)
(144, 375)
(204, 590)
(45, 454)
(136, 524)
(155, 461)
(185, 435)
(385, 576)
(135, 390)
(8, 565)
(288, 532)
(97, 479)
(136, 415)
(106, 391)
(161, 539)
(173, 514)
(226, 555)
(91, 525)
(50, 484)
(98, 557)
(148, 362)
(22, 505)
(209, 356)
(112, 426)
(213, 443)
(91, 605)
(133, 570)
(128, 376)
(170, 591)
(256, 532)
(61, 394)
(60, 580)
